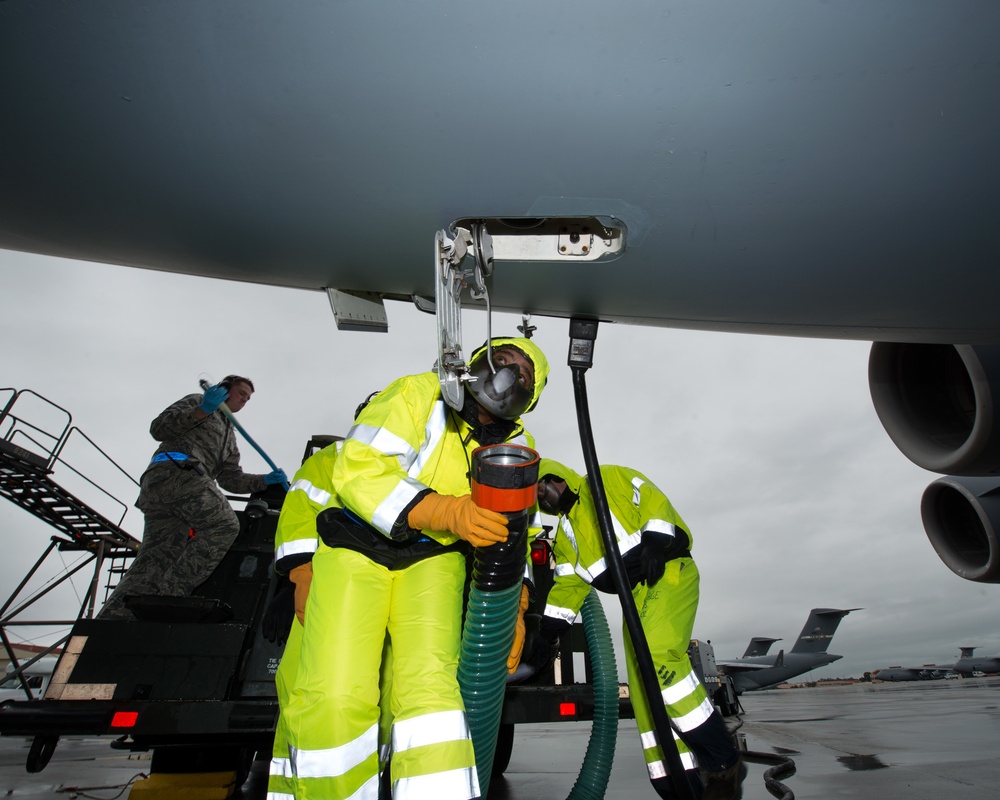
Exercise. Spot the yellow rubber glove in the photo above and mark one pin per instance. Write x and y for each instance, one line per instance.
(302, 577)
(460, 516)
(518, 647)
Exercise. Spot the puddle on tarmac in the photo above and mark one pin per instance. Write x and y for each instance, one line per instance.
(858, 763)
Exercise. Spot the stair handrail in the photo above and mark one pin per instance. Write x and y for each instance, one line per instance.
(19, 426)
(7, 414)
(114, 463)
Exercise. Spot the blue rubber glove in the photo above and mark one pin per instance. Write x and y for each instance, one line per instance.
(277, 476)
(214, 397)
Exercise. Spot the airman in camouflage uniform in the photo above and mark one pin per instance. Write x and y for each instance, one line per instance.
(178, 494)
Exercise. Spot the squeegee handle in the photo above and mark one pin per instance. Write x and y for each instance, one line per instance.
(229, 415)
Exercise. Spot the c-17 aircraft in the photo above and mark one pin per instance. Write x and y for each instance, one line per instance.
(759, 645)
(808, 653)
(787, 168)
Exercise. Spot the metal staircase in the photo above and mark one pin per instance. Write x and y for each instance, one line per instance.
(26, 481)
(31, 453)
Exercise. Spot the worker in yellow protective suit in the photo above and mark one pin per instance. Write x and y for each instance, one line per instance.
(655, 544)
(392, 561)
(295, 543)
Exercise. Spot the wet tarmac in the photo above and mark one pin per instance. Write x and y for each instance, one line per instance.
(901, 741)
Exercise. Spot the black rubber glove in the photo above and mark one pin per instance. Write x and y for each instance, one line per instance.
(278, 617)
(542, 651)
(657, 550)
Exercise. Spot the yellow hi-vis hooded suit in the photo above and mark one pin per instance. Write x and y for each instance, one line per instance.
(667, 610)
(295, 542)
(405, 443)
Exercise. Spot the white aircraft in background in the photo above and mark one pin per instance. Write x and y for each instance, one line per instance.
(777, 167)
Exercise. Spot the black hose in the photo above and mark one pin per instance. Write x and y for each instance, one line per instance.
(783, 767)
(582, 334)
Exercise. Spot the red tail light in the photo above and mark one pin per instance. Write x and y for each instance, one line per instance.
(124, 719)
(539, 553)
(567, 709)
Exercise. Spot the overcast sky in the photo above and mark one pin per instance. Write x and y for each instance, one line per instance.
(768, 447)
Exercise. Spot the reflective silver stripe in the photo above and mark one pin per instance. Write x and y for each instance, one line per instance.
(636, 486)
(314, 493)
(626, 542)
(556, 612)
(280, 796)
(678, 690)
(389, 444)
(332, 762)
(660, 526)
(281, 768)
(691, 720)
(656, 770)
(296, 547)
(369, 791)
(437, 423)
(648, 738)
(688, 761)
(413, 462)
(400, 497)
(595, 569)
(567, 529)
(564, 569)
(435, 728)
(455, 784)
(521, 439)
(535, 523)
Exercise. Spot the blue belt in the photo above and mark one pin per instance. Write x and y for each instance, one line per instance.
(169, 457)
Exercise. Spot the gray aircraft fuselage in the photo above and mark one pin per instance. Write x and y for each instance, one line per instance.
(808, 653)
(795, 664)
(811, 169)
(925, 673)
(968, 663)
(777, 167)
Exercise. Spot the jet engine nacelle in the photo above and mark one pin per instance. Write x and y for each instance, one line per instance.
(961, 517)
(938, 403)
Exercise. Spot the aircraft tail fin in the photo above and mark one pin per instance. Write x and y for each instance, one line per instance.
(967, 652)
(819, 629)
(759, 645)
(780, 660)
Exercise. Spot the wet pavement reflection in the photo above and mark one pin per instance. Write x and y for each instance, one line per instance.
(900, 741)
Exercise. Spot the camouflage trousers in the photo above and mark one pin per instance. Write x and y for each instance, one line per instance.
(170, 561)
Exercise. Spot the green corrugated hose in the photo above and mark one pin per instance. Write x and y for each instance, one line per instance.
(592, 782)
(482, 669)
(482, 674)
